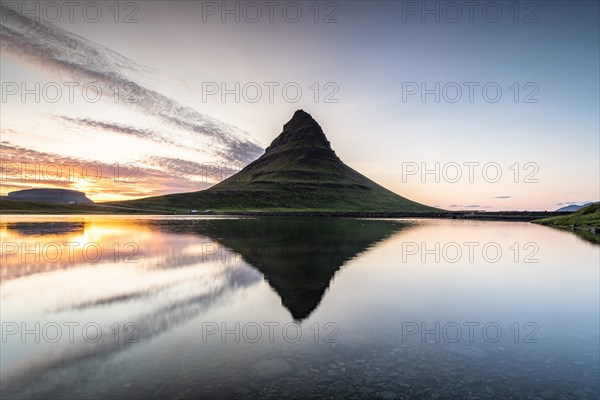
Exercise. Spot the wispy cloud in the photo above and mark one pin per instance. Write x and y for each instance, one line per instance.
(467, 206)
(119, 128)
(23, 168)
(52, 48)
(502, 197)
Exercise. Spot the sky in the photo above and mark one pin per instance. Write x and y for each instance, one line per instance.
(458, 105)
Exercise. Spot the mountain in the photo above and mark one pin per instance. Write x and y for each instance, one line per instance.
(50, 196)
(299, 171)
(586, 217)
(585, 223)
(573, 207)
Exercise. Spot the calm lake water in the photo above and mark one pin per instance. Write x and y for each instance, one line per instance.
(207, 307)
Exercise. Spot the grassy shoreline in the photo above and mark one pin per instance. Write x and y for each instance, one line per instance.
(26, 207)
(587, 218)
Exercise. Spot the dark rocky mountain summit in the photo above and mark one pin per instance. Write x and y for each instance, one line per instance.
(299, 171)
(50, 196)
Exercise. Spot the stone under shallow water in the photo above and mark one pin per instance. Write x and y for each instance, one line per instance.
(470, 352)
(267, 370)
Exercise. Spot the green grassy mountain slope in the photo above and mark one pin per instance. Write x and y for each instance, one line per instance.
(299, 171)
(585, 217)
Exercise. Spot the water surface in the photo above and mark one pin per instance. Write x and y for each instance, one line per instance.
(213, 307)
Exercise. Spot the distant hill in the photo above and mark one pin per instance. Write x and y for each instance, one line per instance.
(65, 196)
(38, 207)
(586, 217)
(573, 207)
(299, 171)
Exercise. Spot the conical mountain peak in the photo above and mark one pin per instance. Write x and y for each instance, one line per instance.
(299, 171)
(300, 132)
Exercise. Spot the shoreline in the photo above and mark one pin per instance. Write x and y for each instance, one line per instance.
(517, 216)
(523, 216)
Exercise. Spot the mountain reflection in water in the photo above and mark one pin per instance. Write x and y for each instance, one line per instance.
(160, 273)
(162, 280)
